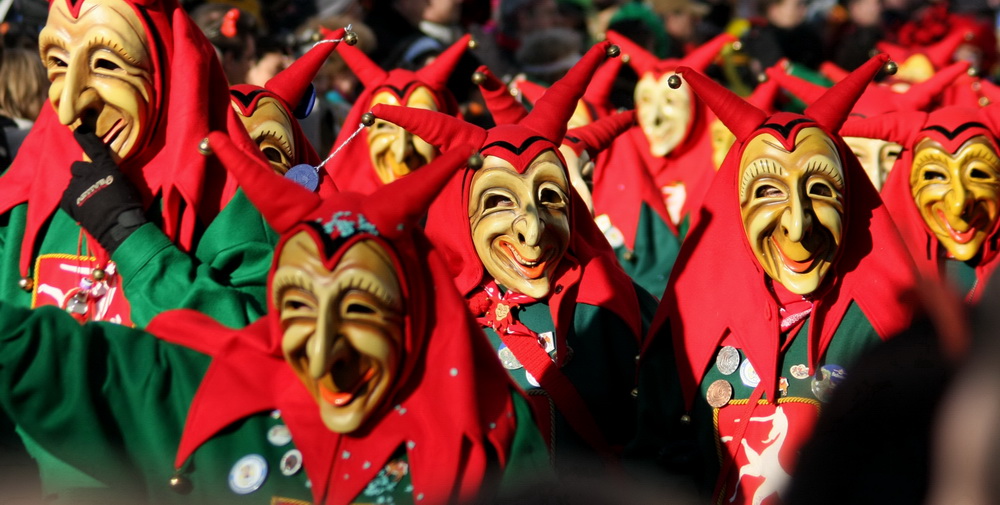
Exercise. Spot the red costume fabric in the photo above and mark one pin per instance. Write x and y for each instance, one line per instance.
(289, 88)
(189, 100)
(951, 127)
(457, 398)
(596, 99)
(359, 176)
(872, 270)
(690, 163)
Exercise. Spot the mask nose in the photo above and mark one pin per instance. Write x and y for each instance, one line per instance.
(797, 220)
(402, 145)
(320, 346)
(959, 199)
(528, 228)
(77, 99)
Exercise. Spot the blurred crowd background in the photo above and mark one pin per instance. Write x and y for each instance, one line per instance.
(532, 39)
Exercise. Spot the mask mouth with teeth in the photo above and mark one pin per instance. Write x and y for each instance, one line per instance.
(342, 321)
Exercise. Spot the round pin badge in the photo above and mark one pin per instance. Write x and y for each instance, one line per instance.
(799, 371)
(748, 375)
(728, 360)
(279, 435)
(507, 358)
(826, 381)
(291, 462)
(248, 474)
(304, 174)
(719, 393)
(531, 379)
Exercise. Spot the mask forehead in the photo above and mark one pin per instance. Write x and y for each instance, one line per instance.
(270, 126)
(342, 325)
(395, 152)
(518, 146)
(957, 192)
(519, 220)
(101, 71)
(664, 114)
(792, 206)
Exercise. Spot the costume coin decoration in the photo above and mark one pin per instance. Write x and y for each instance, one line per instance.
(304, 174)
(291, 462)
(507, 358)
(248, 474)
(826, 380)
(799, 371)
(719, 393)
(279, 435)
(728, 360)
(748, 375)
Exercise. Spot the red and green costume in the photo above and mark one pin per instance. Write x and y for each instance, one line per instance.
(784, 343)
(199, 402)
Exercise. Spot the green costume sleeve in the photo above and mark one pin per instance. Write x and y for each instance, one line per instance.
(87, 398)
(225, 277)
(529, 464)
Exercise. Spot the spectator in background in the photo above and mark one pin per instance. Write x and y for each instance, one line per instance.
(783, 33)
(232, 32)
(24, 86)
(546, 55)
(273, 56)
(852, 41)
(682, 20)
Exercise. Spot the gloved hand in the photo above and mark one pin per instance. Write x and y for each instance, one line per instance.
(99, 196)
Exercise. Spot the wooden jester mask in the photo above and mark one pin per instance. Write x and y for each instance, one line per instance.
(99, 64)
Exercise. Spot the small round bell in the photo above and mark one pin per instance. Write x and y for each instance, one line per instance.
(737, 46)
(983, 101)
(674, 81)
(973, 72)
(98, 274)
(180, 484)
(613, 51)
(761, 78)
(316, 36)
(685, 419)
(26, 283)
(368, 119)
(473, 44)
(351, 38)
(635, 392)
(478, 78)
(626, 58)
(204, 147)
(890, 67)
(475, 161)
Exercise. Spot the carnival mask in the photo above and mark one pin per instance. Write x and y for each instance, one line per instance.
(342, 327)
(271, 128)
(396, 152)
(957, 194)
(792, 206)
(876, 157)
(520, 222)
(722, 139)
(916, 68)
(101, 72)
(581, 116)
(664, 113)
(581, 173)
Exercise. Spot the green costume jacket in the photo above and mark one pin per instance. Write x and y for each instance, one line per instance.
(110, 402)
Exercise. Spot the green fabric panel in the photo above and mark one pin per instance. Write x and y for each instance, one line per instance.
(226, 279)
(528, 462)
(653, 256)
(854, 335)
(960, 274)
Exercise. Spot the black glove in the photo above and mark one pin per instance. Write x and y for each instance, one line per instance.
(99, 196)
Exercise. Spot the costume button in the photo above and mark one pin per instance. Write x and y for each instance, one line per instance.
(248, 474)
(291, 462)
(279, 435)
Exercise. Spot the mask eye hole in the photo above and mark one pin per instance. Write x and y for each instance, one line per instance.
(934, 175)
(550, 197)
(106, 64)
(768, 191)
(272, 154)
(978, 174)
(820, 190)
(359, 308)
(57, 62)
(495, 201)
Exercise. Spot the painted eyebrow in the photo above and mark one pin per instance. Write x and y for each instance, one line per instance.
(826, 168)
(290, 278)
(273, 134)
(758, 167)
(983, 153)
(368, 282)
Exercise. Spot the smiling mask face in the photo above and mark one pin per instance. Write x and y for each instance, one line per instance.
(792, 204)
(664, 113)
(342, 327)
(520, 222)
(958, 193)
(271, 128)
(101, 72)
(394, 151)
